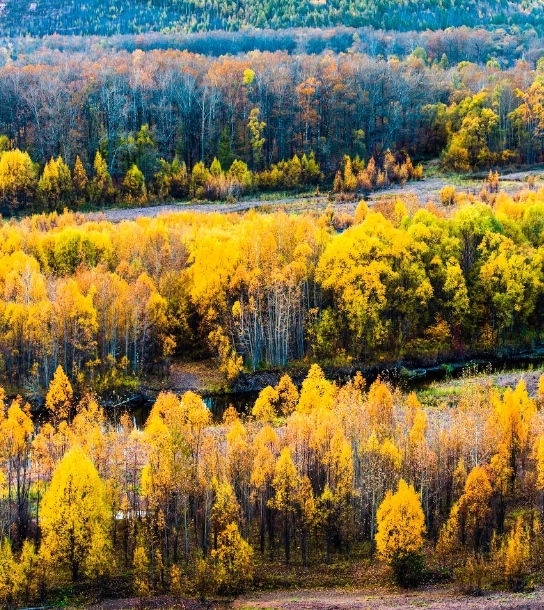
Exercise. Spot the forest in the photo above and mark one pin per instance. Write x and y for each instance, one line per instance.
(146, 126)
(316, 205)
(112, 302)
(191, 506)
(105, 17)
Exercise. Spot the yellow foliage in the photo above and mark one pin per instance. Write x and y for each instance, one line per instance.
(265, 408)
(401, 524)
(140, 572)
(60, 395)
(232, 561)
(316, 391)
(75, 516)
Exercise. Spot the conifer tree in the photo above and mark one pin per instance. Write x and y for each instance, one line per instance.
(60, 395)
(401, 528)
(80, 181)
(75, 513)
(101, 185)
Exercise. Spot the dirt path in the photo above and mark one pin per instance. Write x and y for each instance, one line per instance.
(423, 190)
(117, 215)
(432, 599)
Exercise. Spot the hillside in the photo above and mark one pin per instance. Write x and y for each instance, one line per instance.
(108, 17)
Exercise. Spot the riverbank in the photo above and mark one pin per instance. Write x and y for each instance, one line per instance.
(205, 378)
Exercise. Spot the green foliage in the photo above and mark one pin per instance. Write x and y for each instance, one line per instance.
(106, 18)
(134, 184)
(409, 569)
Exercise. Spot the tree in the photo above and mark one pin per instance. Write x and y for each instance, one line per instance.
(74, 513)
(288, 395)
(516, 555)
(80, 182)
(474, 506)
(349, 182)
(101, 189)
(401, 528)
(285, 484)
(224, 153)
(59, 396)
(265, 408)
(134, 184)
(18, 180)
(225, 509)
(316, 391)
(55, 186)
(140, 572)
(232, 561)
(255, 130)
(511, 418)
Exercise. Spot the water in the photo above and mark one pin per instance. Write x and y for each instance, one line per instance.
(139, 409)
(417, 379)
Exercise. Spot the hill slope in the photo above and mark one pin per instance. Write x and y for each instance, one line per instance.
(106, 17)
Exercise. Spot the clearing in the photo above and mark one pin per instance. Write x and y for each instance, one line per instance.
(426, 189)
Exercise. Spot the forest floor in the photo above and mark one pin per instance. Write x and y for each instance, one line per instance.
(203, 377)
(424, 190)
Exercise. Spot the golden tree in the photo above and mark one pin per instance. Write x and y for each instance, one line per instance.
(285, 484)
(232, 561)
(140, 572)
(401, 531)
(474, 506)
(60, 395)
(75, 514)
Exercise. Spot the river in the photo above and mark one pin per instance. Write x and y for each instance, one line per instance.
(416, 379)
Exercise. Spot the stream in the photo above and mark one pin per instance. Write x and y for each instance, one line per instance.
(406, 380)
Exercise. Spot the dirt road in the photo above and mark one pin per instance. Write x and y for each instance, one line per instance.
(423, 190)
(119, 214)
(431, 599)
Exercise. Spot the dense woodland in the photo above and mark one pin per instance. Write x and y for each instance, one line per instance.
(458, 43)
(144, 105)
(154, 116)
(110, 302)
(106, 17)
(312, 477)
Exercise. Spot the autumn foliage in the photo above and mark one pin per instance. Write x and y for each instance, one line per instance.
(185, 504)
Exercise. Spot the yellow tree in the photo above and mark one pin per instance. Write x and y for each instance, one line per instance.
(511, 419)
(75, 513)
(265, 447)
(232, 561)
(338, 461)
(59, 396)
(16, 432)
(287, 394)
(80, 181)
(401, 531)
(474, 506)
(225, 509)
(266, 405)
(316, 391)
(170, 473)
(285, 484)
(140, 572)
(516, 554)
(18, 179)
